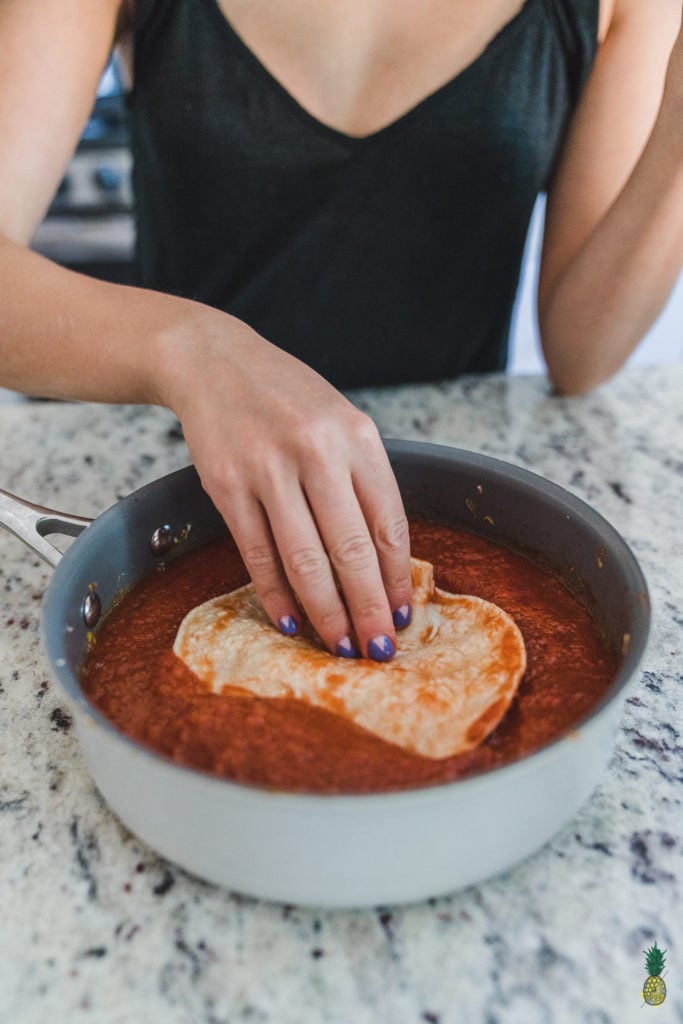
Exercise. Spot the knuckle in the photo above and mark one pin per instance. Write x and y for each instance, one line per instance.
(305, 564)
(313, 449)
(365, 429)
(268, 474)
(302, 420)
(393, 535)
(319, 447)
(321, 438)
(260, 559)
(216, 482)
(224, 483)
(354, 552)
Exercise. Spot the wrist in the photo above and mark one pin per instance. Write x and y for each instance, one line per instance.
(189, 345)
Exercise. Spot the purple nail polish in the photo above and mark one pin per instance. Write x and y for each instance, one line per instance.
(402, 616)
(288, 625)
(345, 648)
(381, 648)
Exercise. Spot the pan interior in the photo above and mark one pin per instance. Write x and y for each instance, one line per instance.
(460, 489)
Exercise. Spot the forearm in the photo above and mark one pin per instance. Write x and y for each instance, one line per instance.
(611, 292)
(66, 335)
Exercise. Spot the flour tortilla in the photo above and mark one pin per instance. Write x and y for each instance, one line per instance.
(455, 673)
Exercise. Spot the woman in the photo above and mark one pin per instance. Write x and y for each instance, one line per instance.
(350, 183)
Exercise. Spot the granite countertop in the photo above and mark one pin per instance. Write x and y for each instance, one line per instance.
(94, 927)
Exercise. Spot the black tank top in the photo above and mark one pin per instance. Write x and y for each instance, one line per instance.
(377, 260)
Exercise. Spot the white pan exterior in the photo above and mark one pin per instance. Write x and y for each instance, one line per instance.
(348, 851)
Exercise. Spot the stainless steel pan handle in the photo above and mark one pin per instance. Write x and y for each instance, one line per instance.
(33, 523)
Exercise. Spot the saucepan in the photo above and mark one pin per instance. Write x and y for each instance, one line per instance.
(342, 850)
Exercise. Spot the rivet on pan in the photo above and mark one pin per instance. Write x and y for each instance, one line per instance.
(162, 540)
(91, 609)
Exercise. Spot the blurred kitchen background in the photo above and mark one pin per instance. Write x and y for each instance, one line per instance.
(89, 227)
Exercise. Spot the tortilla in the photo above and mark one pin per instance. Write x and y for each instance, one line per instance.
(455, 673)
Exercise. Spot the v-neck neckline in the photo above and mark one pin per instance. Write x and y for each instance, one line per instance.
(403, 119)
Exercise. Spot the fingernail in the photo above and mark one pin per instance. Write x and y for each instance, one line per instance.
(381, 648)
(402, 616)
(288, 625)
(345, 648)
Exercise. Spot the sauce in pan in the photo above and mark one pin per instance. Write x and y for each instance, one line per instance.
(133, 677)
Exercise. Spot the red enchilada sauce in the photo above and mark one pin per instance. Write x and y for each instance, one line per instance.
(133, 677)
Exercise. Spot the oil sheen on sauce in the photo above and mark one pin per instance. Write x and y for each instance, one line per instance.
(133, 677)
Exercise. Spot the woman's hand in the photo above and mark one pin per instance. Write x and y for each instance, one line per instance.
(303, 482)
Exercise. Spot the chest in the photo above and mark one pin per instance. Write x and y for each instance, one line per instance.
(360, 65)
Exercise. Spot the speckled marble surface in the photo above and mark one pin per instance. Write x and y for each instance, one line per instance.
(94, 927)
